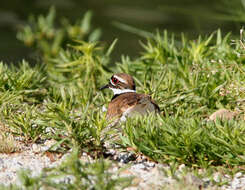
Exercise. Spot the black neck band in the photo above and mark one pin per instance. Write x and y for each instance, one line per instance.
(116, 95)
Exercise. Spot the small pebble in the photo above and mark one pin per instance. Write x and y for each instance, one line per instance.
(239, 174)
(182, 167)
(1, 161)
(126, 157)
(148, 175)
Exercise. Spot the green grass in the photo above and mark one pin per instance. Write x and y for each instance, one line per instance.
(48, 35)
(7, 143)
(189, 79)
(187, 140)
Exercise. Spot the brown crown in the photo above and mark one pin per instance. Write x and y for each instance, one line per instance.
(129, 81)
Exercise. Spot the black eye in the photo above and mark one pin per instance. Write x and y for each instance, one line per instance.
(114, 80)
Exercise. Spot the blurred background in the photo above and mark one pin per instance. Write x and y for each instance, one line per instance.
(191, 17)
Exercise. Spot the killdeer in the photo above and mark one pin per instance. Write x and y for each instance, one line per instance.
(126, 102)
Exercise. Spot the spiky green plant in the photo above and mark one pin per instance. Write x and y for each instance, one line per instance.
(189, 79)
(189, 141)
(49, 36)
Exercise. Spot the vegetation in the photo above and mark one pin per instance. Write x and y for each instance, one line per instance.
(82, 175)
(59, 99)
(48, 35)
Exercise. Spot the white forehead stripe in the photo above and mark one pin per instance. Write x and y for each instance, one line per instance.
(120, 79)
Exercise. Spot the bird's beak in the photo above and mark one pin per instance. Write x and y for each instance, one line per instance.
(103, 87)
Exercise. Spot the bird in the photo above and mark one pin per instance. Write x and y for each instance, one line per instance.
(126, 102)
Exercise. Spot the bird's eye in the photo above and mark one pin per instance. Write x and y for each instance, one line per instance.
(114, 80)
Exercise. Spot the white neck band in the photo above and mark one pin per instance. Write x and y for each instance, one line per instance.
(120, 91)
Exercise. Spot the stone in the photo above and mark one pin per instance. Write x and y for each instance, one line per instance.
(223, 114)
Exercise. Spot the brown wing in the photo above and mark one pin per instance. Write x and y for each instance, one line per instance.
(125, 101)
